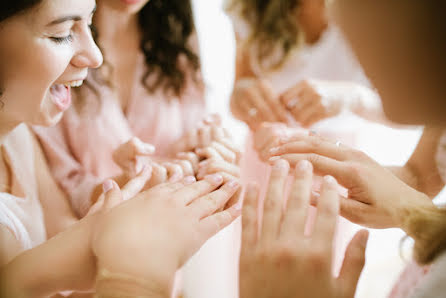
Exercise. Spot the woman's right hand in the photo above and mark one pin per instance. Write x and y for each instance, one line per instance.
(150, 236)
(376, 197)
(253, 102)
(132, 155)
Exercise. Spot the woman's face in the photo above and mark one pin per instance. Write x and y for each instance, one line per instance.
(44, 52)
(127, 6)
(401, 46)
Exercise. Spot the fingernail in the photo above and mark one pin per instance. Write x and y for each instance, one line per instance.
(274, 150)
(280, 165)
(330, 180)
(175, 178)
(189, 180)
(204, 164)
(239, 205)
(149, 149)
(233, 184)
(216, 178)
(107, 185)
(315, 194)
(139, 167)
(274, 158)
(303, 166)
(285, 139)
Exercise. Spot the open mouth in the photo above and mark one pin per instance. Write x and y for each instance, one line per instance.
(61, 94)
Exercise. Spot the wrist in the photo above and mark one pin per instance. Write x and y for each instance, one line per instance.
(114, 285)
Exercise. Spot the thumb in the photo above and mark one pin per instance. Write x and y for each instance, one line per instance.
(112, 194)
(353, 263)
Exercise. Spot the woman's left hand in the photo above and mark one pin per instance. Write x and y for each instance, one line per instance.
(313, 100)
(376, 197)
(281, 261)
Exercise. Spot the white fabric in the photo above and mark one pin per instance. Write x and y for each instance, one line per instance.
(23, 215)
(433, 285)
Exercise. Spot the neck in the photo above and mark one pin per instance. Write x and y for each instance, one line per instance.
(313, 20)
(113, 24)
(5, 128)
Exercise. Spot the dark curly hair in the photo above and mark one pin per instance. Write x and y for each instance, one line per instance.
(166, 27)
(273, 26)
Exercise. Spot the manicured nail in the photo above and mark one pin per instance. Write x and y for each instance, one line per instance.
(330, 180)
(175, 177)
(239, 205)
(149, 149)
(273, 150)
(274, 158)
(303, 166)
(107, 185)
(233, 184)
(189, 180)
(216, 178)
(280, 165)
(209, 119)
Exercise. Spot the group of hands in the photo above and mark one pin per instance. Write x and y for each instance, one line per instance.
(148, 227)
(309, 101)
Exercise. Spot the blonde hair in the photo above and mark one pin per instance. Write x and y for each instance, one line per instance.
(427, 226)
(274, 27)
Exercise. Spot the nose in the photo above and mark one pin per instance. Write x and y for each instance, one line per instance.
(88, 55)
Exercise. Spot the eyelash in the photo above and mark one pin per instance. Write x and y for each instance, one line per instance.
(62, 40)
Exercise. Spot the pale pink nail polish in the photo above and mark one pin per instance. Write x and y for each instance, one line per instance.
(107, 185)
(280, 164)
(216, 178)
(189, 180)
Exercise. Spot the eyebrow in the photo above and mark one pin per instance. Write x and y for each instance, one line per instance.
(74, 18)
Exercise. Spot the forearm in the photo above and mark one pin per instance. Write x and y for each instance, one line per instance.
(64, 262)
(110, 285)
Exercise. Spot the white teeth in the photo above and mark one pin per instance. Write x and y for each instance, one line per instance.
(74, 84)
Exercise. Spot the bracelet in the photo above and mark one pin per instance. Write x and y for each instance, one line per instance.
(114, 285)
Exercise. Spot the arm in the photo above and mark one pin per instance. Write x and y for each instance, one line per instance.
(32, 273)
(420, 171)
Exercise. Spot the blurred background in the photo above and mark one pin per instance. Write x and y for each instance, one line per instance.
(385, 259)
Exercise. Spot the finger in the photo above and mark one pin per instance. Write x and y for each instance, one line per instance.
(136, 185)
(159, 175)
(174, 171)
(250, 216)
(224, 152)
(141, 148)
(213, 119)
(303, 104)
(327, 215)
(208, 204)
(275, 107)
(323, 166)
(210, 225)
(204, 136)
(191, 157)
(292, 93)
(274, 200)
(112, 194)
(353, 263)
(257, 101)
(208, 153)
(212, 167)
(217, 133)
(317, 145)
(295, 215)
(253, 121)
(191, 192)
(186, 166)
(231, 146)
(171, 187)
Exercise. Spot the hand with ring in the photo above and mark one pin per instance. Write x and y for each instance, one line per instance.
(253, 101)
